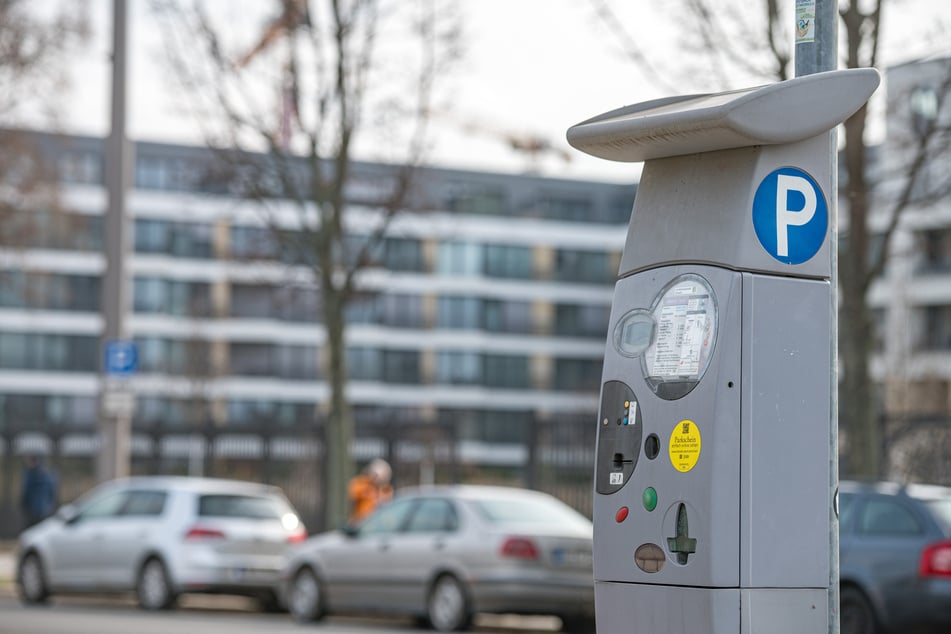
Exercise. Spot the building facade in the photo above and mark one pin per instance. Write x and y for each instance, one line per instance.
(911, 300)
(480, 322)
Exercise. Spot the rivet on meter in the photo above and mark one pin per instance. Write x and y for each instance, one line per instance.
(605, 421)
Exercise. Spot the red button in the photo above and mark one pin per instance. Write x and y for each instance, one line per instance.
(621, 515)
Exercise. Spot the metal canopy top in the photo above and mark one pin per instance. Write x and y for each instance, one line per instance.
(783, 112)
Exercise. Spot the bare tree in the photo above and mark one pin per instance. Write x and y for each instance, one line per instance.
(290, 105)
(34, 43)
(730, 40)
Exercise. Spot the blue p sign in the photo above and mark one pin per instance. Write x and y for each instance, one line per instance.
(790, 215)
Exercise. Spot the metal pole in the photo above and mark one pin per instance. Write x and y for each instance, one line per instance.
(817, 25)
(115, 428)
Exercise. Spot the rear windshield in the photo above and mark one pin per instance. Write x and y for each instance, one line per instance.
(246, 506)
(530, 511)
(942, 511)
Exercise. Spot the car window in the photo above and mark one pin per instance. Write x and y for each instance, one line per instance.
(942, 512)
(433, 515)
(885, 517)
(244, 506)
(847, 505)
(549, 512)
(388, 519)
(144, 503)
(105, 505)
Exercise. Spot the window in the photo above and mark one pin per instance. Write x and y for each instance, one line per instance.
(463, 313)
(403, 254)
(433, 516)
(105, 505)
(459, 258)
(936, 334)
(507, 316)
(245, 506)
(461, 368)
(401, 311)
(509, 261)
(253, 243)
(251, 359)
(365, 364)
(582, 320)
(510, 371)
(388, 519)
(566, 207)
(884, 517)
(469, 198)
(577, 374)
(30, 351)
(144, 503)
(401, 366)
(583, 266)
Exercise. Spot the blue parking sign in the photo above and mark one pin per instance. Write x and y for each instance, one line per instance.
(122, 358)
(790, 215)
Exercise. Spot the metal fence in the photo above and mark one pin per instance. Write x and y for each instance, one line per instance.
(557, 457)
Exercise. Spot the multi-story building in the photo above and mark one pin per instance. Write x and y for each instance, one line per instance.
(480, 323)
(911, 302)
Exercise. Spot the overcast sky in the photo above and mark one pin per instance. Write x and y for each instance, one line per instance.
(535, 66)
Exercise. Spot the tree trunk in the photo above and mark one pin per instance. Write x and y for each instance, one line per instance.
(338, 436)
(857, 411)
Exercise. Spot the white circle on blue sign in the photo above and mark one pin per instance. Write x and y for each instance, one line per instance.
(790, 215)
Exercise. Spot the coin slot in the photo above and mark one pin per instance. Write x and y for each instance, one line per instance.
(652, 446)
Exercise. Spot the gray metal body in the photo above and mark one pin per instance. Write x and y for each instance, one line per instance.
(712, 506)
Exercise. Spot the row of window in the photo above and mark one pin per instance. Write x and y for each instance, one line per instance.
(153, 295)
(195, 240)
(199, 173)
(31, 410)
(191, 358)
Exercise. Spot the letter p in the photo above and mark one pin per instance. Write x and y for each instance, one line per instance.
(786, 217)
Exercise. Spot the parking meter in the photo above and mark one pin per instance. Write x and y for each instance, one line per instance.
(712, 497)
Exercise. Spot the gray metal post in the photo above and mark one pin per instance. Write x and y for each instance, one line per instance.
(818, 55)
(115, 430)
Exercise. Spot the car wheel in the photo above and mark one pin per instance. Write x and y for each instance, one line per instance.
(304, 597)
(855, 612)
(154, 590)
(31, 581)
(448, 605)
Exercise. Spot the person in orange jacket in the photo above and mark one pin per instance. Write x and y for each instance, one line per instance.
(368, 489)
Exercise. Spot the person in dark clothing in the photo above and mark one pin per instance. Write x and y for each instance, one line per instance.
(39, 493)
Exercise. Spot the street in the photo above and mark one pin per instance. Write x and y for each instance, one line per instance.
(210, 615)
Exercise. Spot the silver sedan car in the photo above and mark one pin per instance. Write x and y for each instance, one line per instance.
(442, 554)
(160, 537)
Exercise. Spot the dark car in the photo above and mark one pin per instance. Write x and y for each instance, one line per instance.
(894, 558)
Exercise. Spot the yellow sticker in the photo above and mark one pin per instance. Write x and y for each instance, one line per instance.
(685, 446)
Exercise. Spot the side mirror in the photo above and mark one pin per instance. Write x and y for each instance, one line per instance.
(350, 530)
(68, 514)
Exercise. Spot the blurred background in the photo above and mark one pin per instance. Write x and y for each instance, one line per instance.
(274, 239)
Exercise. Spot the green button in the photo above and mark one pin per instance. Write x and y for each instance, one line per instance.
(650, 498)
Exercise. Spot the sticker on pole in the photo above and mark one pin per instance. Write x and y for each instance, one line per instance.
(684, 446)
(790, 215)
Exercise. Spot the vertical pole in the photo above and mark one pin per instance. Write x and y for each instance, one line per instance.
(115, 430)
(816, 29)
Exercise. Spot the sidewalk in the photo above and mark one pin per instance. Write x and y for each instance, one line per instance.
(7, 565)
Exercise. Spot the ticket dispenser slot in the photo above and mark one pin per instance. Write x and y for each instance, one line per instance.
(713, 494)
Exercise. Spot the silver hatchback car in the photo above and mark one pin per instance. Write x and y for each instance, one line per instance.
(442, 554)
(160, 537)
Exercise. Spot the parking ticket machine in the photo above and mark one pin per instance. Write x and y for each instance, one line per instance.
(713, 503)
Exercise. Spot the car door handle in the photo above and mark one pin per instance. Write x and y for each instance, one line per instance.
(384, 546)
(439, 544)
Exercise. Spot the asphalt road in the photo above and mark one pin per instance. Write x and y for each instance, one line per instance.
(203, 616)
